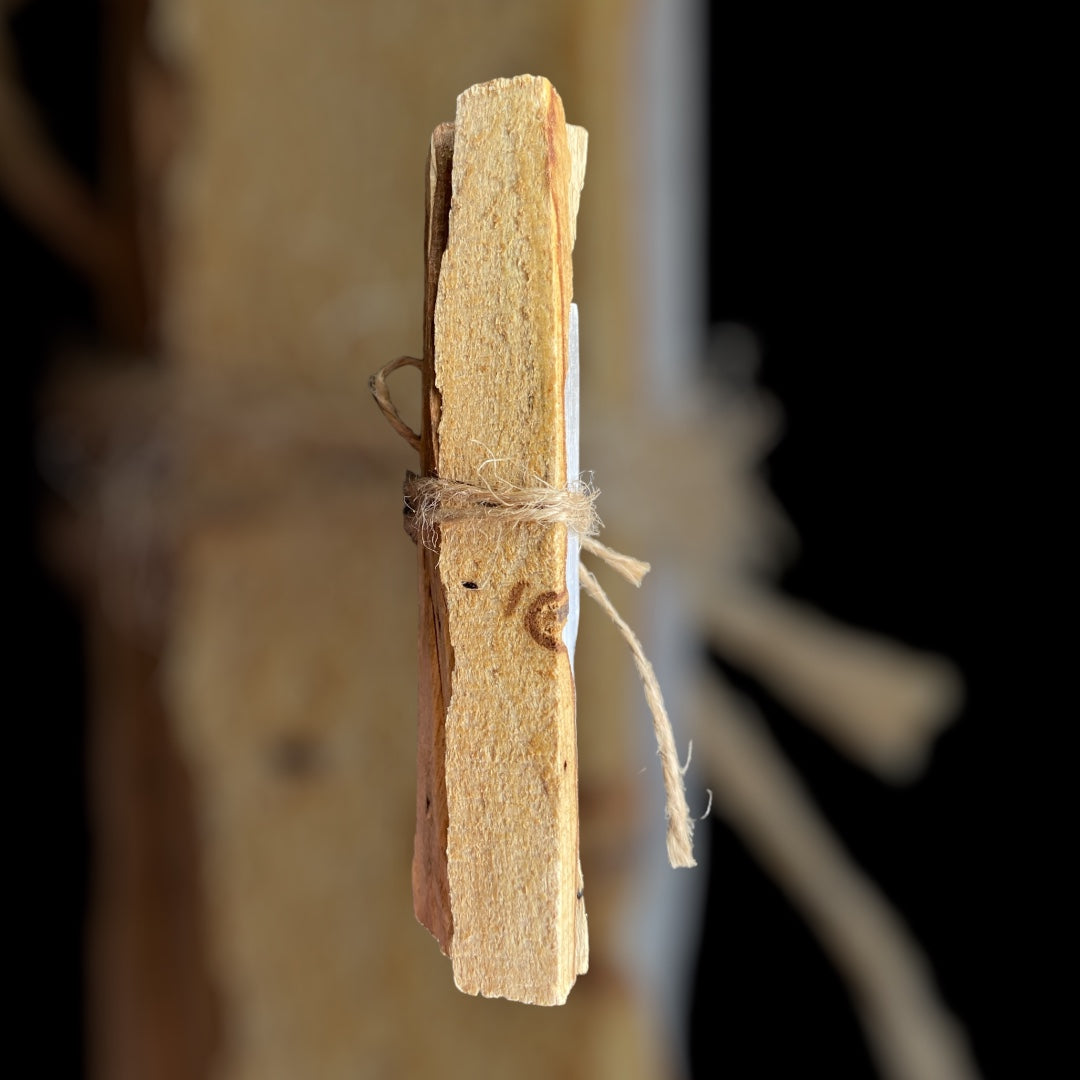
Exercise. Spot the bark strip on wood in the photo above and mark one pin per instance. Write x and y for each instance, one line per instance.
(431, 893)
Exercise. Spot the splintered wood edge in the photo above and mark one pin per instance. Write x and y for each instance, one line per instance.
(430, 873)
(577, 140)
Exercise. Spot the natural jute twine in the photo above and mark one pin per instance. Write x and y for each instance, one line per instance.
(431, 501)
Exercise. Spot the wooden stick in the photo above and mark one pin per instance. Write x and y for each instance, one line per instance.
(496, 873)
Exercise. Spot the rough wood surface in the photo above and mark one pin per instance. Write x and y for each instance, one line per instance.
(505, 757)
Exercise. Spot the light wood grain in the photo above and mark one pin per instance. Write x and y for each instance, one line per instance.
(497, 798)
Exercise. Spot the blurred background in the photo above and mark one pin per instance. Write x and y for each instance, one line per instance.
(211, 233)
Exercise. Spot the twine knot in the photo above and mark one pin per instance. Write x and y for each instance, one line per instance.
(433, 501)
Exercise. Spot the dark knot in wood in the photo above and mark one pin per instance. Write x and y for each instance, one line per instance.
(545, 618)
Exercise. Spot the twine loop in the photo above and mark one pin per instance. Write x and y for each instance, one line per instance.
(433, 501)
(381, 393)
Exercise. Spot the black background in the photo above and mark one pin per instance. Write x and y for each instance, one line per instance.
(45, 303)
(860, 221)
(857, 222)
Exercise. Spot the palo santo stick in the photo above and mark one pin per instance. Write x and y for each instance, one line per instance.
(496, 873)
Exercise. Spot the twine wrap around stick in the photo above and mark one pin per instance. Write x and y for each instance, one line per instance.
(432, 501)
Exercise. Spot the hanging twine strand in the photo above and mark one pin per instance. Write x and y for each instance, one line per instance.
(431, 501)
(680, 826)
